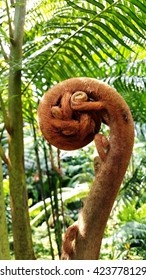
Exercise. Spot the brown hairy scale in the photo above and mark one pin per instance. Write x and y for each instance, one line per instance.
(70, 115)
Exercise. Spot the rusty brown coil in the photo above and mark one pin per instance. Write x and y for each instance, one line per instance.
(71, 112)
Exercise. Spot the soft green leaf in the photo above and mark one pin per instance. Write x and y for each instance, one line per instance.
(139, 4)
(126, 22)
(132, 16)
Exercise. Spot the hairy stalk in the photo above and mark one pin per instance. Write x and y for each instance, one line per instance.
(70, 115)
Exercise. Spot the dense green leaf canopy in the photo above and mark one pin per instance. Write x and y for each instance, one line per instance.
(101, 39)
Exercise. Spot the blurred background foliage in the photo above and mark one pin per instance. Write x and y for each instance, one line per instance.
(63, 39)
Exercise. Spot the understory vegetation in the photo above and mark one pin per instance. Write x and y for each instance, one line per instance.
(67, 179)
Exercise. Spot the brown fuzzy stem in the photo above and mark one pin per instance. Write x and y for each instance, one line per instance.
(70, 115)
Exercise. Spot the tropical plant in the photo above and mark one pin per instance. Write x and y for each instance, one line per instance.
(62, 39)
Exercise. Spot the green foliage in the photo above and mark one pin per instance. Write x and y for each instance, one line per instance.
(127, 242)
(125, 235)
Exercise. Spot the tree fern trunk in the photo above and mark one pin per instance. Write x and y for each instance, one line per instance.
(19, 207)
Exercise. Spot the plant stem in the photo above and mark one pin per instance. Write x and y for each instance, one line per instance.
(18, 194)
